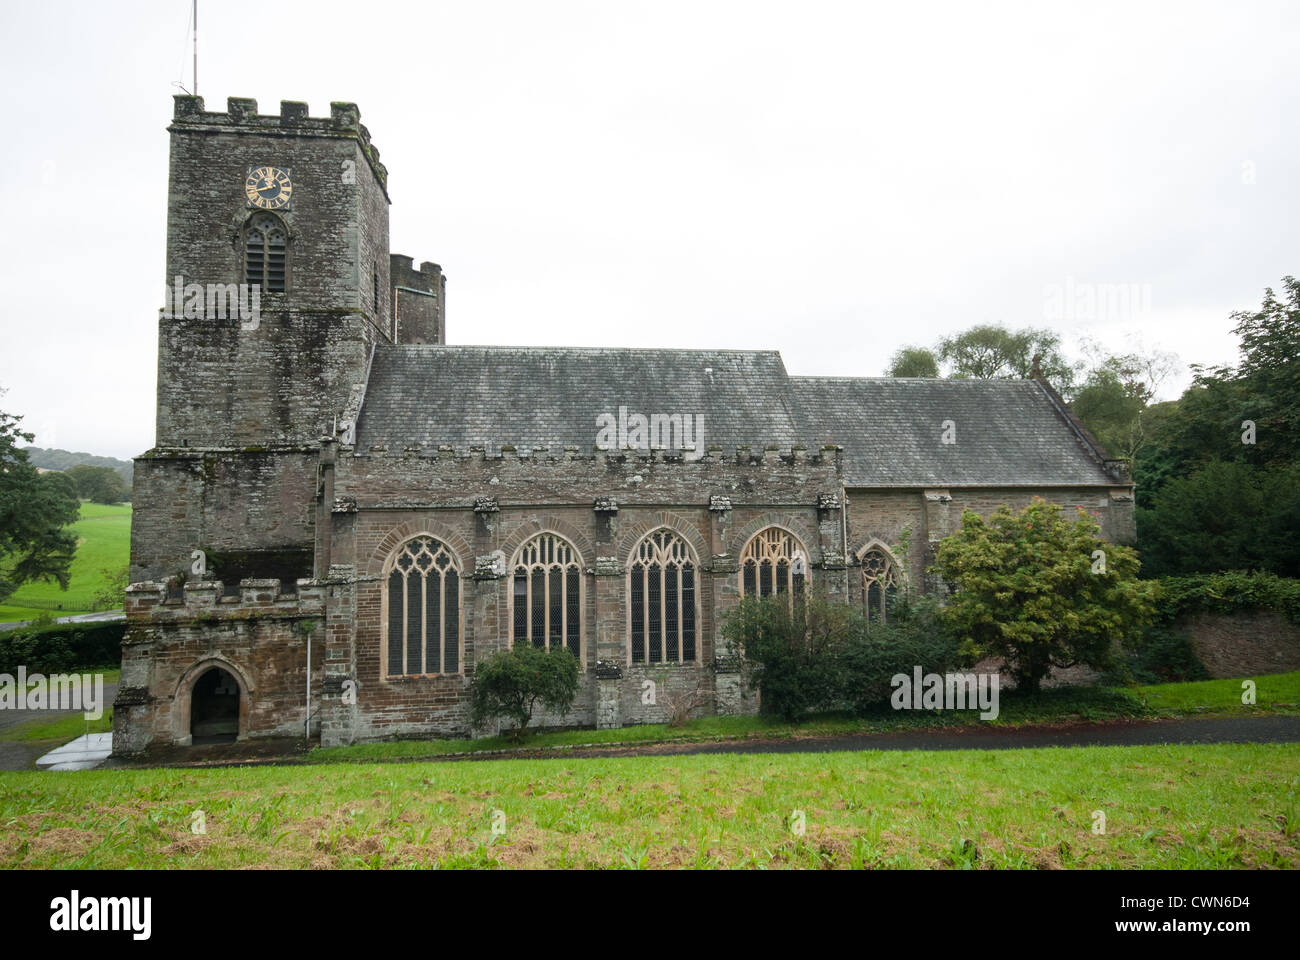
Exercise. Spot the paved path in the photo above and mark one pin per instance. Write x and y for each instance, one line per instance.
(21, 754)
(9, 718)
(1126, 733)
(1266, 729)
(103, 616)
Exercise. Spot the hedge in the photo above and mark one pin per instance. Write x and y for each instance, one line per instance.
(1228, 592)
(62, 647)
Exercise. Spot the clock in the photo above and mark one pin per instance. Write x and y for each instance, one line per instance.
(268, 188)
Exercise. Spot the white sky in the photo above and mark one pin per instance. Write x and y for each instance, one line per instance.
(829, 180)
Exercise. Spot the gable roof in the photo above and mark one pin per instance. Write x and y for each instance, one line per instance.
(551, 396)
(1008, 432)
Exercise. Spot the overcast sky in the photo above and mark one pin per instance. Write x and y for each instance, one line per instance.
(829, 180)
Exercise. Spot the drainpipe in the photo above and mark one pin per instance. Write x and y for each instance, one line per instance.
(309, 627)
(844, 537)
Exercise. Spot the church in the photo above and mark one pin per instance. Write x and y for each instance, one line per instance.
(343, 512)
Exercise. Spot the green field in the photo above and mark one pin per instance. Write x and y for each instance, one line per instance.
(103, 543)
(1233, 806)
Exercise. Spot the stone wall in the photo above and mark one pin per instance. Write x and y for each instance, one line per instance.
(1243, 644)
(219, 501)
(257, 635)
(484, 508)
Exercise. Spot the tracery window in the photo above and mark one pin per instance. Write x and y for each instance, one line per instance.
(421, 603)
(774, 561)
(546, 594)
(880, 582)
(662, 599)
(266, 253)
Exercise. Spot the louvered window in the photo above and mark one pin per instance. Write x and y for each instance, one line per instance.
(266, 253)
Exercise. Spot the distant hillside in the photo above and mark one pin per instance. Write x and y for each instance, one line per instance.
(63, 459)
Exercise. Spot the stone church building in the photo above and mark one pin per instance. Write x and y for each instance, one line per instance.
(343, 513)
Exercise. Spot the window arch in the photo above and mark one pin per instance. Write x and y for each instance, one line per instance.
(546, 594)
(421, 604)
(266, 253)
(880, 582)
(774, 561)
(662, 599)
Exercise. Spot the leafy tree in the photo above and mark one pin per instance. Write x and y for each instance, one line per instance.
(35, 510)
(98, 484)
(913, 362)
(112, 594)
(990, 352)
(510, 683)
(1225, 516)
(1026, 591)
(1115, 395)
(1206, 423)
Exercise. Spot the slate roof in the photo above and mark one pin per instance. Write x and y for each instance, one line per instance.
(1009, 433)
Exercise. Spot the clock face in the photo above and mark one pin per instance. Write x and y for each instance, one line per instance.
(268, 188)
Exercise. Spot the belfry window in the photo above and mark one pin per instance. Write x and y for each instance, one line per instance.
(773, 561)
(546, 594)
(266, 253)
(421, 603)
(662, 611)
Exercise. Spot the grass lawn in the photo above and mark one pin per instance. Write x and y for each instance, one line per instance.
(1277, 693)
(1228, 805)
(103, 543)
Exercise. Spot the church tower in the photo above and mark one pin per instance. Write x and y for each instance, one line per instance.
(277, 291)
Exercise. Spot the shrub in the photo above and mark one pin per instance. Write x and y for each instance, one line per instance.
(1160, 655)
(791, 651)
(915, 635)
(510, 683)
(57, 648)
(1227, 592)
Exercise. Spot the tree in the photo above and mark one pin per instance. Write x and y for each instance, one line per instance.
(35, 510)
(991, 351)
(1225, 516)
(510, 683)
(1041, 591)
(1113, 400)
(98, 484)
(913, 362)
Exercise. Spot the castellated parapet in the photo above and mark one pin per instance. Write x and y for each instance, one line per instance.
(256, 634)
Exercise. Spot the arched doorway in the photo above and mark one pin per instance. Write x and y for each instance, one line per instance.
(214, 708)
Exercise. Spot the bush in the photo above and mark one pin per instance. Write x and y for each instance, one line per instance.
(510, 683)
(1164, 655)
(913, 636)
(61, 647)
(823, 654)
(791, 651)
(1227, 592)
